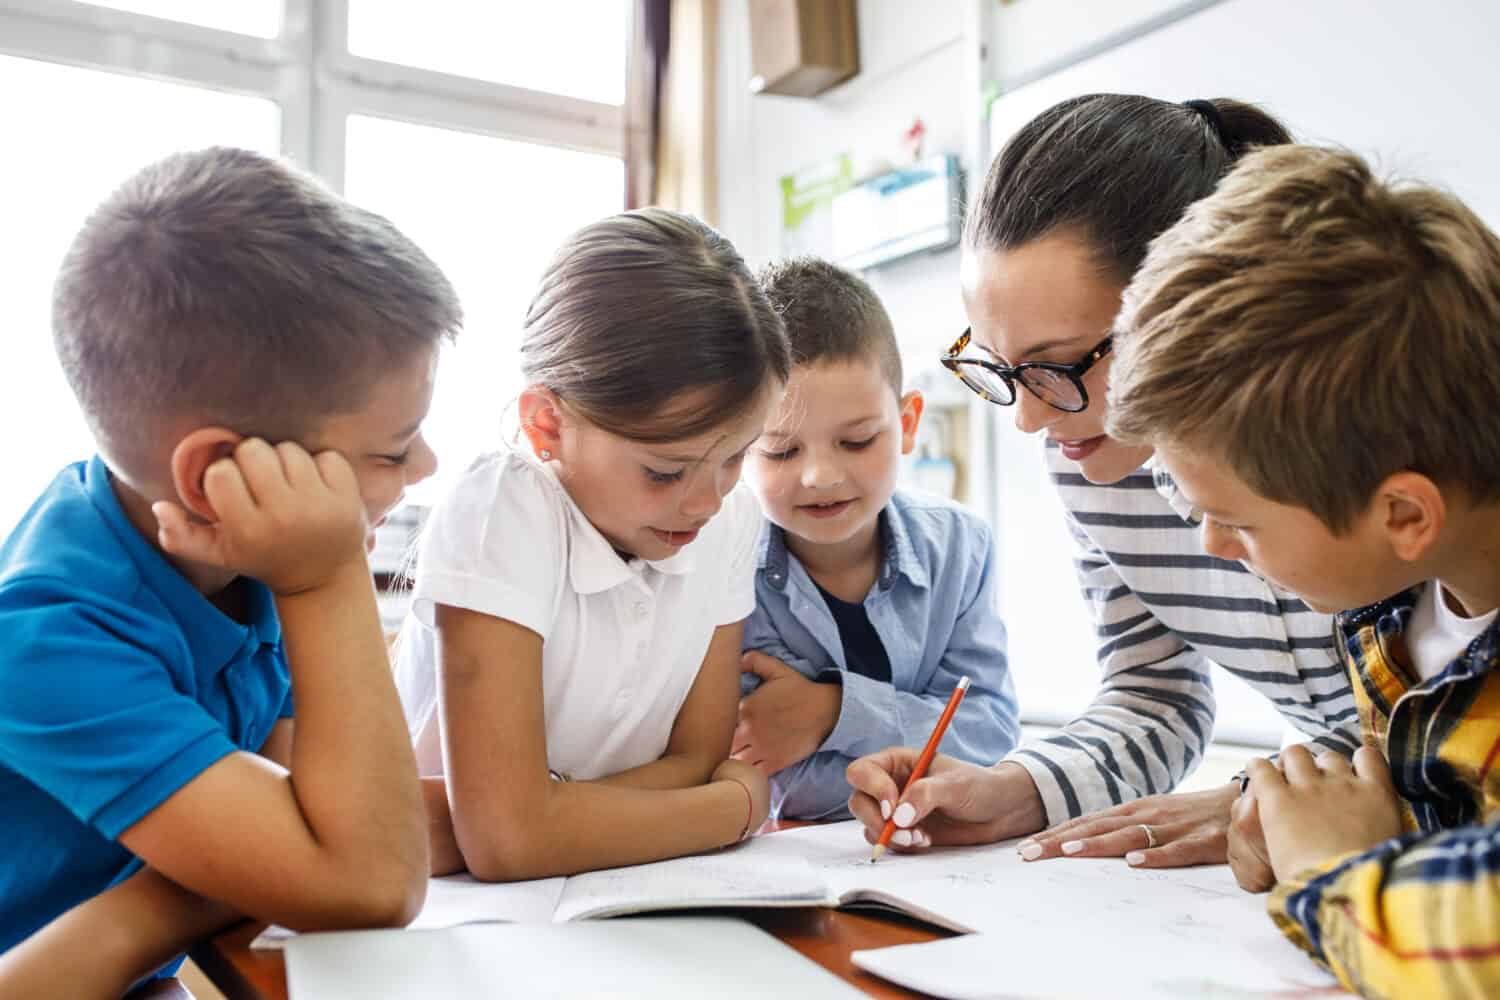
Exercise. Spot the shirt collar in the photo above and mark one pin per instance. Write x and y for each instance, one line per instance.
(898, 557)
(593, 564)
(214, 639)
(1167, 487)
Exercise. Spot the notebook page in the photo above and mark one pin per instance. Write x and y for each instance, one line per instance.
(840, 854)
(726, 878)
(462, 899)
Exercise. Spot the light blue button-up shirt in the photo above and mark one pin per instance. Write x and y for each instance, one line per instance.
(933, 606)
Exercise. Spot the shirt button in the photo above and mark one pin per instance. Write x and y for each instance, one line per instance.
(640, 650)
(641, 611)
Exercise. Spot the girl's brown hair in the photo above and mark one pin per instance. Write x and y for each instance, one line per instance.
(1119, 167)
(640, 308)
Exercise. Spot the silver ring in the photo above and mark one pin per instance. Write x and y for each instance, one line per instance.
(1150, 836)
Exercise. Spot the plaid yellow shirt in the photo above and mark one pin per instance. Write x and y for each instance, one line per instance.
(1419, 915)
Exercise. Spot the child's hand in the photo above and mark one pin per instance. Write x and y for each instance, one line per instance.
(1316, 810)
(289, 519)
(785, 719)
(956, 803)
(755, 782)
(1249, 858)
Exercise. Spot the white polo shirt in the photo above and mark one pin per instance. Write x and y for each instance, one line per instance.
(622, 641)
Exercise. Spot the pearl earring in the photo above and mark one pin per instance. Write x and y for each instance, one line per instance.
(546, 455)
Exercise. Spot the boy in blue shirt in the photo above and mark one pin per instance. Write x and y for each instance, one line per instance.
(254, 357)
(871, 601)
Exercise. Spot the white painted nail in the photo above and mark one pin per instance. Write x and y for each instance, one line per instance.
(1072, 846)
(1135, 857)
(885, 809)
(1031, 851)
(920, 839)
(901, 838)
(906, 814)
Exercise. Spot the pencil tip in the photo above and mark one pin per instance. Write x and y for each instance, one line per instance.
(875, 854)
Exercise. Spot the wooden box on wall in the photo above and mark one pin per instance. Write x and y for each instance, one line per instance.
(800, 48)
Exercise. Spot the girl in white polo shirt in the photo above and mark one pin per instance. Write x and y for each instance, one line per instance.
(571, 664)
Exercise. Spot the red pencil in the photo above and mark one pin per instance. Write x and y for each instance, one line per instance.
(923, 762)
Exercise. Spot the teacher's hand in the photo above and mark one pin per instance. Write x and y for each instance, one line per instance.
(1158, 831)
(956, 803)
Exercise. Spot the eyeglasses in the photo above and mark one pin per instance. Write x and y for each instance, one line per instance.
(1059, 386)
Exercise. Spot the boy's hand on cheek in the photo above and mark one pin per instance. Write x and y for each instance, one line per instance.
(785, 719)
(1315, 810)
(289, 519)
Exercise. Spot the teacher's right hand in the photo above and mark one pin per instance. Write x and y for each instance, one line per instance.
(955, 803)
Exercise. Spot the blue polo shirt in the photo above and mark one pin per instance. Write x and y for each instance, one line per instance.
(119, 683)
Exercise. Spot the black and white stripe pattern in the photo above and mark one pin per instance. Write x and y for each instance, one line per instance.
(1164, 610)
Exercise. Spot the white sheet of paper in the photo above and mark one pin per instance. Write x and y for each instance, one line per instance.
(664, 957)
(1125, 964)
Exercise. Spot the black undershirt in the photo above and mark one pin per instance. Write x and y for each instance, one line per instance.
(864, 653)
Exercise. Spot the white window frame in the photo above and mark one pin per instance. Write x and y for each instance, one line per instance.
(308, 71)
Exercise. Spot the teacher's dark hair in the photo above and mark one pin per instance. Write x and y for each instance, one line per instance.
(1119, 167)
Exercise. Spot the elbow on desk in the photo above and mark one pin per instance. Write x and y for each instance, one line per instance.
(385, 895)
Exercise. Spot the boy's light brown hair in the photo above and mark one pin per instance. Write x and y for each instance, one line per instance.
(222, 287)
(832, 315)
(1319, 329)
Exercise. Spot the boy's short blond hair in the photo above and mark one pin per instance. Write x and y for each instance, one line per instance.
(1319, 329)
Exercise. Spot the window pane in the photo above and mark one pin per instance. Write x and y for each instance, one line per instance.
(491, 212)
(573, 47)
(68, 149)
(248, 17)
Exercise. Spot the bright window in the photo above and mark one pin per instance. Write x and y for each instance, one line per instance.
(490, 212)
(65, 154)
(487, 177)
(572, 47)
(251, 17)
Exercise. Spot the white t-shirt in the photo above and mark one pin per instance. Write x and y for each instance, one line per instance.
(622, 641)
(1438, 634)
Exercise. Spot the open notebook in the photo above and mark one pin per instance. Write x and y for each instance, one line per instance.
(825, 865)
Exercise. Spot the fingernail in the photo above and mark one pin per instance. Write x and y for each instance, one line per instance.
(1072, 846)
(885, 809)
(1024, 844)
(1031, 851)
(901, 838)
(920, 839)
(906, 814)
(1135, 858)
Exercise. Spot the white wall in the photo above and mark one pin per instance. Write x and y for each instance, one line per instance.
(910, 66)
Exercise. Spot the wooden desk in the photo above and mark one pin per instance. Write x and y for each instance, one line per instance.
(825, 936)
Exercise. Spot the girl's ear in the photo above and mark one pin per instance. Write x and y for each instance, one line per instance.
(190, 461)
(911, 417)
(542, 421)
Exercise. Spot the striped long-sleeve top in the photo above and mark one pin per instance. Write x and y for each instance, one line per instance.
(1164, 611)
(1418, 915)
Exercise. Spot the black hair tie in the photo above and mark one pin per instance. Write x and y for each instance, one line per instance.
(1216, 122)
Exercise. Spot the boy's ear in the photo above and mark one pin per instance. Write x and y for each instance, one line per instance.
(542, 421)
(1412, 510)
(911, 417)
(190, 461)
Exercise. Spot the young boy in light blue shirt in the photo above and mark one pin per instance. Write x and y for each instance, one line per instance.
(872, 601)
